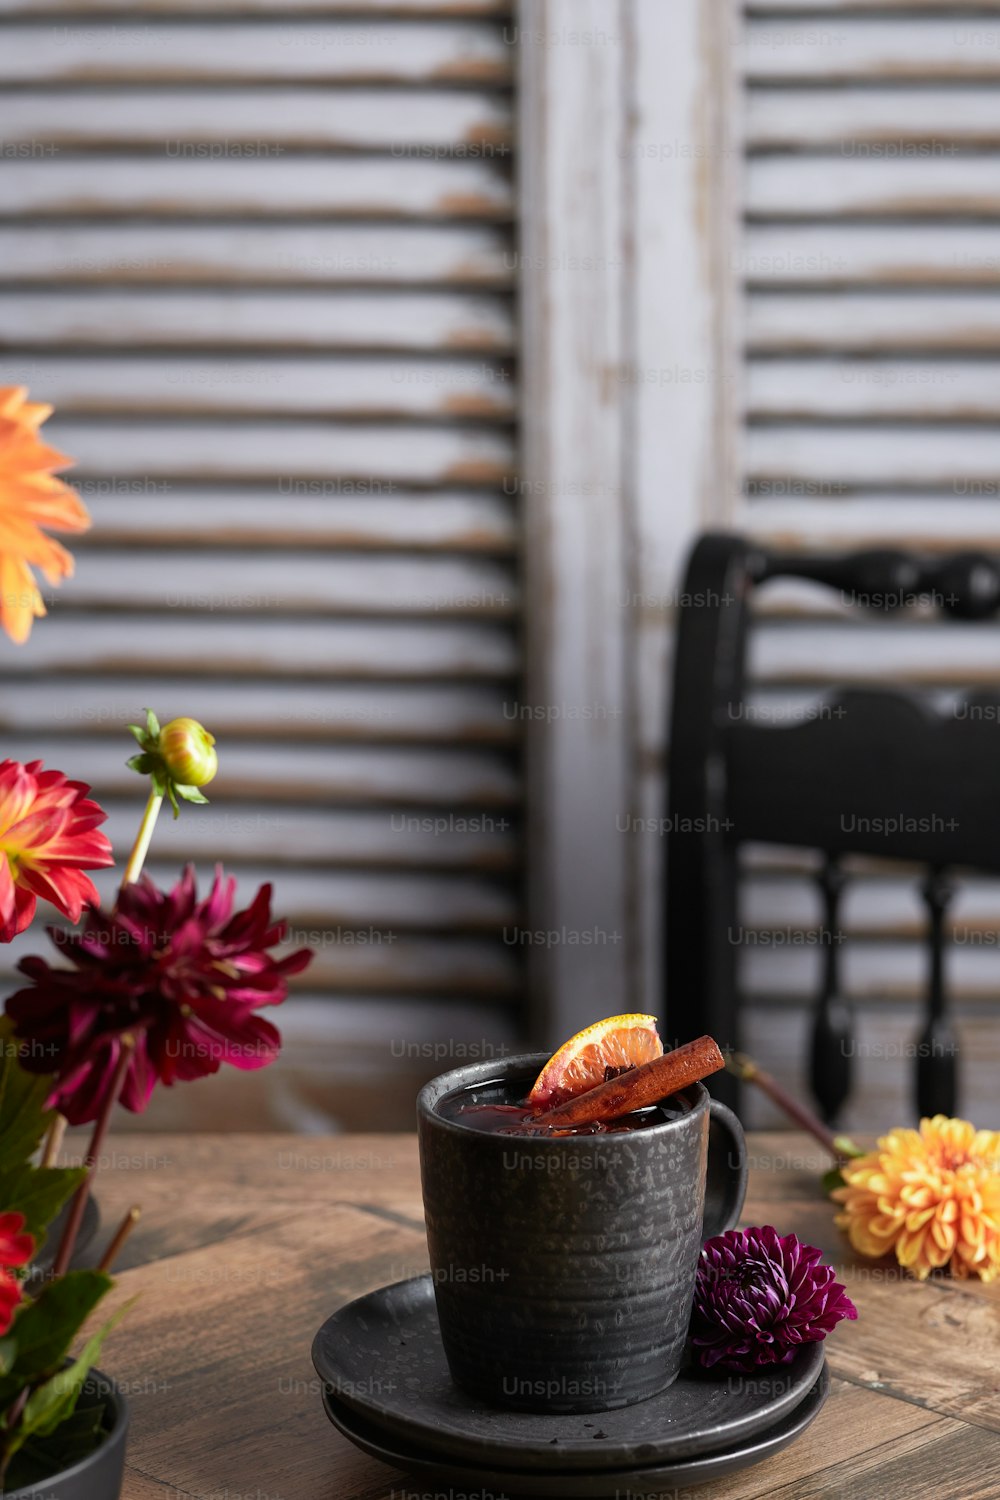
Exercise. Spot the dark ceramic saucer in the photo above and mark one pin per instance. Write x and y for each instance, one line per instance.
(606, 1484)
(381, 1357)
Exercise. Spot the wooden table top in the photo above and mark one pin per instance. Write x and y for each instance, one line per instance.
(247, 1243)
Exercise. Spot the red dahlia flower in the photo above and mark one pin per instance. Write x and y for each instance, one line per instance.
(48, 837)
(759, 1296)
(182, 978)
(16, 1249)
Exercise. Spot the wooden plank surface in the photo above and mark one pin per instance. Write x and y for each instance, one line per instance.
(247, 1243)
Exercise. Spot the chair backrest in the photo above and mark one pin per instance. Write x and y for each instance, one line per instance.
(876, 772)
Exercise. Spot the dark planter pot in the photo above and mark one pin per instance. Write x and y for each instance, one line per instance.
(99, 1476)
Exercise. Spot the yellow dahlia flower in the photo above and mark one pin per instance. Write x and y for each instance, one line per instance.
(930, 1196)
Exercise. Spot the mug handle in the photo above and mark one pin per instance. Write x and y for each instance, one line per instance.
(726, 1176)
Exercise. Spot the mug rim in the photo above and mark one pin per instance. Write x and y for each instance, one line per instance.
(435, 1090)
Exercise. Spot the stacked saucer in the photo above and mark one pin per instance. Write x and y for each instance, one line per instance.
(387, 1388)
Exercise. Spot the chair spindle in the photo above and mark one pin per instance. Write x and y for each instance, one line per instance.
(937, 1046)
(833, 1018)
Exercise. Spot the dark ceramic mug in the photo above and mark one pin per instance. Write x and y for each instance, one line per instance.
(564, 1266)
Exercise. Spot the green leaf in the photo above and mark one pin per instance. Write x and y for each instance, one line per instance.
(45, 1328)
(38, 1193)
(152, 725)
(145, 764)
(190, 793)
(832, 1180)
(53, 1401)
(171, 794)
(8, 1353)
(139, 734)
(23, 1116)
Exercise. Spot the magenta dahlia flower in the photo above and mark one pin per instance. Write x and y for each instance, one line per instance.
(759, 1296)
(182, 978)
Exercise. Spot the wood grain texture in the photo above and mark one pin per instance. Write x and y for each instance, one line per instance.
(391, 320)
(348, 119)
(358, 50)
(119, 251)
(260, 1238)
(850, 48)
(258, 181)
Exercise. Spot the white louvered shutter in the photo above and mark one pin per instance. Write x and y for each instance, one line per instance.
(869, 265)
(259, 257)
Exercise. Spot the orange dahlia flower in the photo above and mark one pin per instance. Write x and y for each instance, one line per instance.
(48, 836)
(930, 1196)
(31, 497)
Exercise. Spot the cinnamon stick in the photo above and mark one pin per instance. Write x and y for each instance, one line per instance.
(641, 1087)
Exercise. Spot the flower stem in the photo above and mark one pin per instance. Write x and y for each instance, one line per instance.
(68, 1242)
(141, 846)
(122, 1233)
(840, 1147)
(53, 1141)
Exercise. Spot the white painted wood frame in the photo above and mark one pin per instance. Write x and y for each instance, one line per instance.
(624, 212)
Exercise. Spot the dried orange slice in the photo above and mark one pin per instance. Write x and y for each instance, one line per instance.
(616, 1043)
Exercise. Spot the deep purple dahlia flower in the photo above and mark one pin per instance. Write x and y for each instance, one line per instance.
(182, 978)
(759, 1296)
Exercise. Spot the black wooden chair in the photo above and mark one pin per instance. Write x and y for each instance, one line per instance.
(826, 782)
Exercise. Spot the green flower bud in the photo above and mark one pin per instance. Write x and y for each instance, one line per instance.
(188, 752)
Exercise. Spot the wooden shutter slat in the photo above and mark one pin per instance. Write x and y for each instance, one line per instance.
(327, 838)
(303, 185)
(891, 255)
(802, 187)
(917, 388)
(842, 46)
(887, 972)
(869, 124)
(120, 252)
(418, 454)
(318, 901)
(258, 583)
(481, 780)
(375, 713)
(941, 457)
(394, 385)
(320, 513)
(874, 909)
(281, 47)
(198, 319)
(464, 121)
(385, 963)
(912, 7)
(861, 321)
(835, 653)
(928, 523)
(432, 9)
(327, 650)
